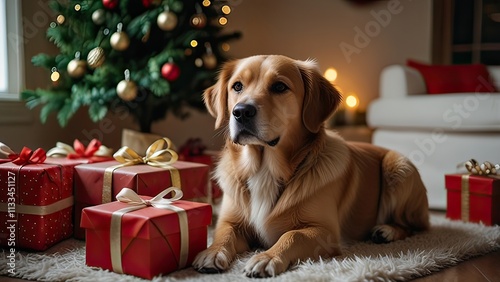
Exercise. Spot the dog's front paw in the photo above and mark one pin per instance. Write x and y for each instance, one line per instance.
(264, 265)
(383, 234)
(213, 260)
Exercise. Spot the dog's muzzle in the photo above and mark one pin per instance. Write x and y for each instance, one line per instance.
(244, 113)
(244, 128)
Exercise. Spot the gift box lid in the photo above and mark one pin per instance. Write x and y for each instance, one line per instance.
(139, 168)
(37, 184)
(485, 185)
(148, 222)
(145, 179)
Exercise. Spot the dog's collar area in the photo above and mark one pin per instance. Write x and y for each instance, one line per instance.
(274, 142)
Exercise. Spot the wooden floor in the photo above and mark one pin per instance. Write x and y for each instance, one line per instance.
(483, 268)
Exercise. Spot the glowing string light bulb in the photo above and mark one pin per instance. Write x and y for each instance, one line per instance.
(55, 75)
(226, 9)
(222, 20)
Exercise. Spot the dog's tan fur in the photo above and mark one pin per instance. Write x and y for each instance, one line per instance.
(293, 187)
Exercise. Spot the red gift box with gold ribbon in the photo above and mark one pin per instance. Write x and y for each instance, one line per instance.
(473, 198)
(145, 236)
(36, 201)
(100, 182)
(195, 151)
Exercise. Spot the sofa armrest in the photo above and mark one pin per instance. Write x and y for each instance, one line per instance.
(400, 81)
(495, 75)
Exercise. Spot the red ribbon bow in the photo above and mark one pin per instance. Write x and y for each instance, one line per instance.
(28, 156)
(82, 152)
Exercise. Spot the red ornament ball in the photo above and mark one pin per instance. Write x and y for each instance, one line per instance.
(170, 71)
(110, 4)
(148, 3)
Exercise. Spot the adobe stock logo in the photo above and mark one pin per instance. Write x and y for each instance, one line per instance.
(363, 37)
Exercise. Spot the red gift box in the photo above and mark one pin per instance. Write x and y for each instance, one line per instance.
(208, 160)
(144, 179)
(146, 242)
(473, 198)
(36, 202)
(195, 151)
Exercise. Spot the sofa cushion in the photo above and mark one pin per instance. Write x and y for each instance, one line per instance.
(441, 79)
(452, 112)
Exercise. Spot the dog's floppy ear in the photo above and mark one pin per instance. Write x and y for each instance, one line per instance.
(321, 99)
(215, 97)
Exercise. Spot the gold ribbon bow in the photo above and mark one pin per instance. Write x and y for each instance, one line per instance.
(485, 168)
(158, 154)
(128, 196)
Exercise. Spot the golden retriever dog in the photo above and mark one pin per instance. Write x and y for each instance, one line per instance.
(291, 186)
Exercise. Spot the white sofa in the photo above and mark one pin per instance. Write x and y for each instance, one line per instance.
(437, 132)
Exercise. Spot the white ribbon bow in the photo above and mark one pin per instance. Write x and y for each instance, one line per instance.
(5, 150)
(130, 197)
(127, 195)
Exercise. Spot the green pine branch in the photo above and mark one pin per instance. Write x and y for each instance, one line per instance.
(149, 49)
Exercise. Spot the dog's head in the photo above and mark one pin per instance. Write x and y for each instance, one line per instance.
(264, 99)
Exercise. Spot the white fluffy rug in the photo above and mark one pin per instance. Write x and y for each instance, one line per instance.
(446, 244)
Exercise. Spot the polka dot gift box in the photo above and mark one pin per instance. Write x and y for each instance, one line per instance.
(36, 201)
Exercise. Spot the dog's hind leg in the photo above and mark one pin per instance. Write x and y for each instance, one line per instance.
(403, 207)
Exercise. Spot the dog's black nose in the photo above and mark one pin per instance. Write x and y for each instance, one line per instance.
(244, 112)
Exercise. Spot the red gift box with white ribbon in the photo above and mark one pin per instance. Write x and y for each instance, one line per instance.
(144, 236)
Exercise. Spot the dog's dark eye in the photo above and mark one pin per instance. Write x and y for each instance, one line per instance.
(279, 87)
(237, 86)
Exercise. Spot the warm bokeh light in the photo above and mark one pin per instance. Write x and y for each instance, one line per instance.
(226, 9)
(331, 74)
(351, 101)
(194, 43)
(198, 62)
(78, 7)
(225, 46)
(206, 3)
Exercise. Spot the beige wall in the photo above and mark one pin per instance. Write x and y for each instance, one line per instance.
(300, 29)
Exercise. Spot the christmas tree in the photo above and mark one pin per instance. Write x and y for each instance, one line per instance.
(149, 56)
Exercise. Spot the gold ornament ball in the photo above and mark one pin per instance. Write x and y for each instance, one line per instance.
(126, 90)
(96, 57)
(99, 16)
(119, 41)
(199, 20)
(209, 60)
(77, 68)
(167, 21)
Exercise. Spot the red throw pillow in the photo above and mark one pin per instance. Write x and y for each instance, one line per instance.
(454, 78)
